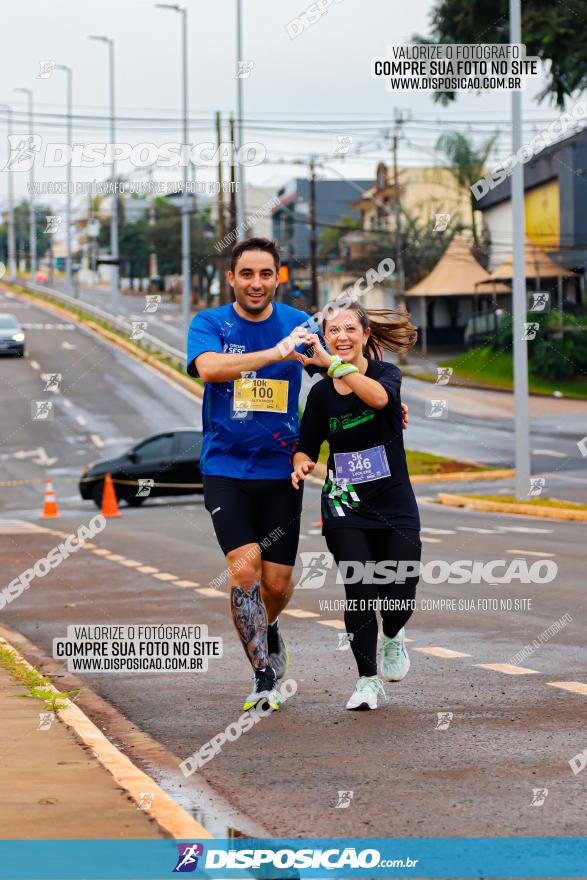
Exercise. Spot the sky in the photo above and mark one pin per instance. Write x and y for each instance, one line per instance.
(301, 94)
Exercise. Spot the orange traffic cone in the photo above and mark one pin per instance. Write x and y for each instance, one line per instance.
(109, 501)
(49, 505)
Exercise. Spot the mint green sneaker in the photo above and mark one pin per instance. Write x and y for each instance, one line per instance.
(394, 658)
(366, 692)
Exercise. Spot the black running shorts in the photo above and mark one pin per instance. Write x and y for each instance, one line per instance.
(264, 512)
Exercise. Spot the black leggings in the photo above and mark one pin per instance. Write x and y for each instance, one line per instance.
(374, 545)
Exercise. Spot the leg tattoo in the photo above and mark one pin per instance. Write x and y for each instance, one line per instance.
(250, 619)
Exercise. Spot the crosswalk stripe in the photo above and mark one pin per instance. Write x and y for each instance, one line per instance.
(335, 624)
(299, 613)
(576, 687)
(507, 668)
(442, 652)
(209, 591)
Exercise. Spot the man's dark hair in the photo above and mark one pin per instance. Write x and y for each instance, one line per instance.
(255, 244)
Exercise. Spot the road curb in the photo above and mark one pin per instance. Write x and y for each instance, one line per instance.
(563, 513)
(184, 381)
(171, 818)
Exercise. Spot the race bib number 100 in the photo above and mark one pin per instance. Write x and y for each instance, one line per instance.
(261, 395)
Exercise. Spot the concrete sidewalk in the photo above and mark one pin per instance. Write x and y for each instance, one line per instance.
(53, 787)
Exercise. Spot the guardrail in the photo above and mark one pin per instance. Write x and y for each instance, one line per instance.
(116, 322)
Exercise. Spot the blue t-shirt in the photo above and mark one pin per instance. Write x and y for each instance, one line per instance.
(249, 445)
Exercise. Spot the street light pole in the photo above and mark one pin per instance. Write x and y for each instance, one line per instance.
(11, 235)
(68, 261)
(186, 268)
(519, 305)
(115, 270)
(32, 219)
(240, 196)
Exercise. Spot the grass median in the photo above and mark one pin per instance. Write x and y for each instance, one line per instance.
(484, 367)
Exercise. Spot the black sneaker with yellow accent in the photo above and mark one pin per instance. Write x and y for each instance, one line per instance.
(263, 691)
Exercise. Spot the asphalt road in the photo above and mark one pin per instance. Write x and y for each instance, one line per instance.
(508, 735)
(476, 425)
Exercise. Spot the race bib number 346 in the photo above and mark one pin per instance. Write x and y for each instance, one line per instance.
(261, 395)
(361, 467)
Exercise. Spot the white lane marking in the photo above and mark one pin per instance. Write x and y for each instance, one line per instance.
(530, 530)
(209, 591)
(147, 569)
(165, 576)
(18, 526)
(430, 540)
(130, 563)
(476, 531)
(530, 553)
(97, 440)
(507, 668)
(314, 531)
(551, 452)
(185, 583)
(66, 402)
(81, 420)
(576, 687)
(430, 531)
(442, 652)
(335, 624)
(299, 613)
(100, 551)
(35, 365)
(68, 346)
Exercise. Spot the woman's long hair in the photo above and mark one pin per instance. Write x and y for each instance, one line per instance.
(391, 329)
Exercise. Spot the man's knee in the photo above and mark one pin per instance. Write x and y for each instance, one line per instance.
(244, 569)
(278, 585)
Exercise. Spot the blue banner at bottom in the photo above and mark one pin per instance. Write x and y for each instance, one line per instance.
(299, 858)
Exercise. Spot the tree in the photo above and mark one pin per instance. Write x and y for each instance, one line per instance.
(466, 163)
(331, 236)
(22, 230)
(555, 32)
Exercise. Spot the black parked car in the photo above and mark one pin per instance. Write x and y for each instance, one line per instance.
(11, 335)
(168, 459)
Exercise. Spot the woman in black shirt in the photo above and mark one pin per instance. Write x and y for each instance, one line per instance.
(369, 512)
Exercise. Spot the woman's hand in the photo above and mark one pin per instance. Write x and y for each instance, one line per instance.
(320, 356)
(404, 416)
(285, 350)
(301, 472)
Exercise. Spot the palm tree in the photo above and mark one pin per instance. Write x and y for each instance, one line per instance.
(466, 162)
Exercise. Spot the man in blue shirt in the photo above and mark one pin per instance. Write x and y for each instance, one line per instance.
(245, 353)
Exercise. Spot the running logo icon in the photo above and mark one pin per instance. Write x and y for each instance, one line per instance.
(315, 566)
(538, 796)
(188, 855)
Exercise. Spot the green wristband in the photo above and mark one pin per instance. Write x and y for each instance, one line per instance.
(335, 362)
(344, 370)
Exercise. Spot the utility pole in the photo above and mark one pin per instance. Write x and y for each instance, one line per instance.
(398, 117)
(313, 237)
(241, 202)
(223, 292)
(32, 218)
(11, 236)
(233, 201)
(519, 304)
(68, 258)
(114, 253)
(153, 264)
